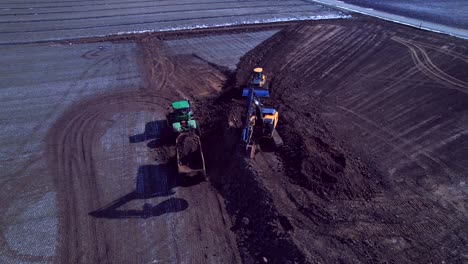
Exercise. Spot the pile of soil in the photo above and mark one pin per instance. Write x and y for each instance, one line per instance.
(311, 159)
(256, 221)
(188, 148)
(313, 167)
(319, 196)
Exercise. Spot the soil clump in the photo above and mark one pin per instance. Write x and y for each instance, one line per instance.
(188, 146)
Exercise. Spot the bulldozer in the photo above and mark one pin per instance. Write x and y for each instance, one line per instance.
(189, 154)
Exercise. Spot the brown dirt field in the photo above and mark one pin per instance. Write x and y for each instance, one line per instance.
(87, 225)
(373, 117)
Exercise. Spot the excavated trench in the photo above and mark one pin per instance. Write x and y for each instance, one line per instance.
(256, 221)
(263, 232)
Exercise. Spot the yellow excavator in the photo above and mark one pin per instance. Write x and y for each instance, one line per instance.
(259, 80)
(260, 122)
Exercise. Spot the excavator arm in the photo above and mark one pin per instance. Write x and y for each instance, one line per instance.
(249, 123)
(256, 112)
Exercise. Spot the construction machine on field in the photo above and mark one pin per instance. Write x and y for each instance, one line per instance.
(260, 122)
(259, 83)
(190, 160)
(180, 117)
(259, 79)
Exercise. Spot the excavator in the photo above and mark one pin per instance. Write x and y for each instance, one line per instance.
(259, 122)
(259, 79)
(259, 83)
(190, 160)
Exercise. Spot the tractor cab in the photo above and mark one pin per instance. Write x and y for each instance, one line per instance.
(180, 117)
(258, 79)
(181, 111)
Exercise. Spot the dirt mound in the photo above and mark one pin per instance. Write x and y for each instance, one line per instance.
(353, 182)
(320, 164)
(188, 148)
(313, 158)
(257, 222)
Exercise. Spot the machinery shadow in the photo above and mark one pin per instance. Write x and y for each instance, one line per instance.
(111, 211)
(153, 130)
(267, 145)
(152, 181)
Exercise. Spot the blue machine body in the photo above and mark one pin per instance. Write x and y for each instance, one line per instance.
(257, 92)
(252, 103)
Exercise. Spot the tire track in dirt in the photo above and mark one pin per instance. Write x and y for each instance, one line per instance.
(402, 74)
(156, 66)
(367, 46)
(70, 143)
(71, 150)
(425, 64)
(447, 51)
(319, 53)
(415, 149)
(304, 51)
(404, 108)
(75, 89)
(342, 55)
(89, 73)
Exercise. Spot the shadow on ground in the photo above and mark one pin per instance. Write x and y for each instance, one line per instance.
(152, 181)
(153, 130)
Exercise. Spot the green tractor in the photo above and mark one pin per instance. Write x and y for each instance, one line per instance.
(190, 160)
(180, 117)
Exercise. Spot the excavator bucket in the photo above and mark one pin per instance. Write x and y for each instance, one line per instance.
(258, 92)
(250, 151)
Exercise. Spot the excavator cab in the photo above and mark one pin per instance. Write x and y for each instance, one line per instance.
(270, 120)
(259, 79)
(258, 83)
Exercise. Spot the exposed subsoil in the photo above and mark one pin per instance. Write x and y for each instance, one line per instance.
(322, 197)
